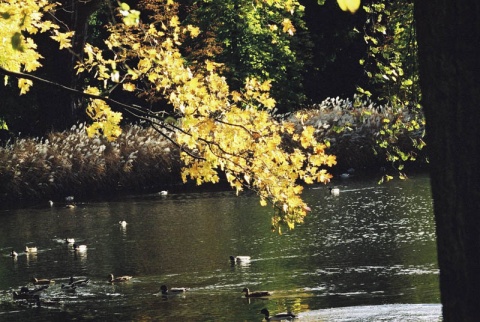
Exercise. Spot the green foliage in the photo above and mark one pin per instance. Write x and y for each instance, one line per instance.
(391, 64)
(254, 41)
(3, 124)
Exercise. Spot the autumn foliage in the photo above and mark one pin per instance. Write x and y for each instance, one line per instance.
(216, 129)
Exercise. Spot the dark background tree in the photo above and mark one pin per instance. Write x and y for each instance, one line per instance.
(46, 108)
(448, 34)
(329, 69)
(338, 46)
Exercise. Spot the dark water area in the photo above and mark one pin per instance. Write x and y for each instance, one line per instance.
(366, 255)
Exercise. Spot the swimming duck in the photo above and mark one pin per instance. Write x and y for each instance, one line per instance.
(69, 287)
(163, 192)
(277, 317)
(25, 296)
(345, 175)
(42, 281)
(31, 249)
(255, 294)
(123, 223)
(334, 191)
(118, 279)
(79, 282)
(70, 240)
(13, 254)
(80, 248)
(236, 259)
(26, 290)
(173, 290)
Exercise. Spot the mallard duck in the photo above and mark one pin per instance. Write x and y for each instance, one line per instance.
(123, 223)
(69, 287)
(255, 294)
(13, 254)
(42, 281)
(25, 289)
(79, 282)
(25, 296)
(334, 191)
(118, 279)
(277, 317)
(80, 248)
(70, 240)
(173, 291)
(31, 249)
(236, 259)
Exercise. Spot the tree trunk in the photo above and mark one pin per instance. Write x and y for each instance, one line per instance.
(448, 34)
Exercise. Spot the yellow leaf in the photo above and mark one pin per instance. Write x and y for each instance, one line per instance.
(349, 5)
(174, 22)
(24, 85)
(129, 87)
(194, 31)
(288, 26)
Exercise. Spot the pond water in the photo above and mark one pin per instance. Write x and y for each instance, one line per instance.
(366, 255)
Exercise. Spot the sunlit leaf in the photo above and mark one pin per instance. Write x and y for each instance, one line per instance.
(349, 5)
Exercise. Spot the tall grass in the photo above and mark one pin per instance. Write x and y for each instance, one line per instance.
(70, 162)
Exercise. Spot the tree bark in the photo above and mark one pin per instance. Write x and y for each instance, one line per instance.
(448, 34)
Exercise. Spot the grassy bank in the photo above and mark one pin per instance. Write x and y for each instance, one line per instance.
(70, 163)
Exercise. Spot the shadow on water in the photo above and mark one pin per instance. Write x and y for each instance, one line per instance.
(366, 254)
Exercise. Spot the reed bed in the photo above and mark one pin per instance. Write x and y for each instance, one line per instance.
(352, 128)
(71, 163)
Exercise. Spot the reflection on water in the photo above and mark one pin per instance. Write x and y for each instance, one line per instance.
(370, 245)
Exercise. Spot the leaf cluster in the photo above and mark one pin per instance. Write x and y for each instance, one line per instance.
(19, 20)
(391, 65)
(217, 129)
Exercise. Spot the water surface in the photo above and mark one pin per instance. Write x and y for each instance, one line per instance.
(365, 254)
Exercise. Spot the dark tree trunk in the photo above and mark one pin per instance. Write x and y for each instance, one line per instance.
(448, 34)
(60, 109)
(78, 21)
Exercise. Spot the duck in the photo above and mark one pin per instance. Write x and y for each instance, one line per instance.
(345, 175)
(42, 281)
(236, 259)
(80, 248)
(25, 296)
(277, 317)
(118, 279)
(70, 240)
(13, 254)
(31, 249)
(123, 223)
(26, 290)
(69, 287)
(163, 193)
(173, 291)
(255, 294)
(70, 206)
(79, 282)
(334, 191)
